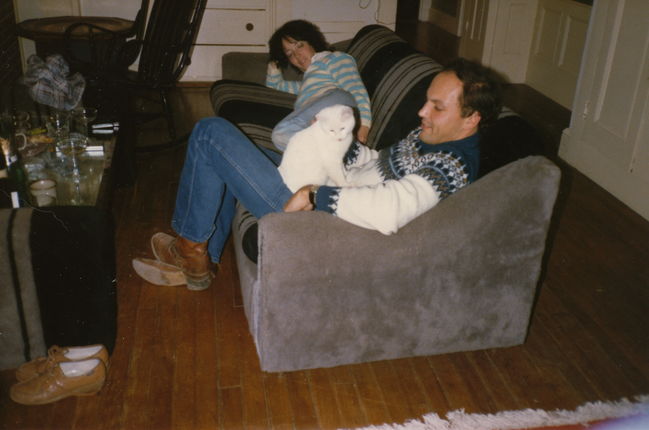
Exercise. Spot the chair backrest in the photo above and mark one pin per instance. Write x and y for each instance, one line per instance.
(171, 30)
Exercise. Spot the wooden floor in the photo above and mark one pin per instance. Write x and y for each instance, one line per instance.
(186, 359)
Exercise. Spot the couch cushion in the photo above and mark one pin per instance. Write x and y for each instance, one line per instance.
(376, 49)
(400, 95)
(507, 139)
(254, 108)
(396, 78)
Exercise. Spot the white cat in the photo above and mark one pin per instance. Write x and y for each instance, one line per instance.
(315, 155)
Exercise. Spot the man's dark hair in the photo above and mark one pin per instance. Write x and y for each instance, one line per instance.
(482, 89)
(298, 30)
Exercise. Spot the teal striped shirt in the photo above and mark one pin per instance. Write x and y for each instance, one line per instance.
(327, 71)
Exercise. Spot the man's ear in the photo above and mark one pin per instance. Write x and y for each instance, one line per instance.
(472, 120)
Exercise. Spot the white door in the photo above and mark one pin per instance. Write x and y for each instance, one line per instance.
(555, 57)
(608, 139)
(474, 25)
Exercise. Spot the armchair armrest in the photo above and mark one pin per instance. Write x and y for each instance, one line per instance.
(460, 277)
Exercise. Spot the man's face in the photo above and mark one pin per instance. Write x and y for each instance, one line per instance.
(441, 118)
(298, 52)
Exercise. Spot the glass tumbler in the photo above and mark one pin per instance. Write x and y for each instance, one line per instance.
(58, 125)
(83, 117)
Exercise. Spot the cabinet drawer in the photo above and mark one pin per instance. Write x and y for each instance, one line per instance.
(233, 27)
(237, 4)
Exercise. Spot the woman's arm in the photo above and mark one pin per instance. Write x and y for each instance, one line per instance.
(345, 72)
(275, 80)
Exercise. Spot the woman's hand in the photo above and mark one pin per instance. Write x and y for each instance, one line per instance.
(272, 68)
(362, 133)
(299, 201)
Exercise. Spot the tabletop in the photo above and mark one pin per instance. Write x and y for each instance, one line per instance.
(55, 27)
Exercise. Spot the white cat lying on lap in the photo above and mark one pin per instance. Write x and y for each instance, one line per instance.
(315, 154)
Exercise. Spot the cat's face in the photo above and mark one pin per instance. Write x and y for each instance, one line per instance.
(336, 121)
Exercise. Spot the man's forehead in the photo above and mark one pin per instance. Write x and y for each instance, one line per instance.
(443, 85)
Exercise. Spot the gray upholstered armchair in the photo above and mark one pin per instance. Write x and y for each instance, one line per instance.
(462, 276)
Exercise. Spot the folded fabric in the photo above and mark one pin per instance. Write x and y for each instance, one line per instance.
(48, 82)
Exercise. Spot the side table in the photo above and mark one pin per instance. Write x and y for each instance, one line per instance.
(88, 43)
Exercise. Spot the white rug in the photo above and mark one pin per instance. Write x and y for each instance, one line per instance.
(530, 418)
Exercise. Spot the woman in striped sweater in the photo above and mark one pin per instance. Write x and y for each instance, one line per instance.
(329, 78)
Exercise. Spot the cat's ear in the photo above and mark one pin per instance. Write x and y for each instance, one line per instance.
(346, 112)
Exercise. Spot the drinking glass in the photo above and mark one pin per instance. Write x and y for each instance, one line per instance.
(84, 116)
(21, 127)
(71, 147)
(58, 125)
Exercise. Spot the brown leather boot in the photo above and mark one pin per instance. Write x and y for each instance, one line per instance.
(190, 257)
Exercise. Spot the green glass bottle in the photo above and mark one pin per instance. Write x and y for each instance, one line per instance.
(13, 185)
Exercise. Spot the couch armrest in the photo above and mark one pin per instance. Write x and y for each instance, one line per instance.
(251, 66)
(465, 273)
(245, 66)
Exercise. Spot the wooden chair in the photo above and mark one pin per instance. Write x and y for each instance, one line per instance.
(164, 49)
(166, 52)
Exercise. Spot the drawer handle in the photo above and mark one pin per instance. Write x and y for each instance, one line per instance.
(250, 26)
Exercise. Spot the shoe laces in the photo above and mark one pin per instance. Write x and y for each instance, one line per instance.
(51, 359)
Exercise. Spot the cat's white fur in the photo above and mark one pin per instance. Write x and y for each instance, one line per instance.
(315, 155)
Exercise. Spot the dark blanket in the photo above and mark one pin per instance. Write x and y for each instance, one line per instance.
(57, 281)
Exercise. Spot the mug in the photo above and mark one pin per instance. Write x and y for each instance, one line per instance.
(44, 191)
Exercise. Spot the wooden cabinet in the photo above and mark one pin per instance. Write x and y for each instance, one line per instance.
(229, 25)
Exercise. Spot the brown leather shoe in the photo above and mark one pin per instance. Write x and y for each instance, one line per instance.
(73, 378)
(190, 257)
(57, 355)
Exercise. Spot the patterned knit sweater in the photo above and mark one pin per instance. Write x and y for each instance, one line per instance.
(328, 70)
(387, 189)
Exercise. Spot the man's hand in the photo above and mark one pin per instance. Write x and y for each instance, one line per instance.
(362, 133)
(299, 201)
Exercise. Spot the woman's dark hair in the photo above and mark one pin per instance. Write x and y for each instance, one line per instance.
(298, 30)
(482, 89)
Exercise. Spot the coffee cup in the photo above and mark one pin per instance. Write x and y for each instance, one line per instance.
(44, 191)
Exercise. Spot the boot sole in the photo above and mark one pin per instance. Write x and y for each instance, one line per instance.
(199, 284)
(158, 273)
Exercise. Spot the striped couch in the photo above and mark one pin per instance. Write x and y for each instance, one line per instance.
(320, 292)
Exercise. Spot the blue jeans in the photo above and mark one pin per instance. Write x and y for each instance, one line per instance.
(222, 166)
(301, 118)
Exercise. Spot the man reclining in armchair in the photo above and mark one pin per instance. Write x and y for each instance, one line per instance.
(408, 178)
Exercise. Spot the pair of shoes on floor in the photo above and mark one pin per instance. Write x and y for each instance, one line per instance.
(65, 372)
(178, 261)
